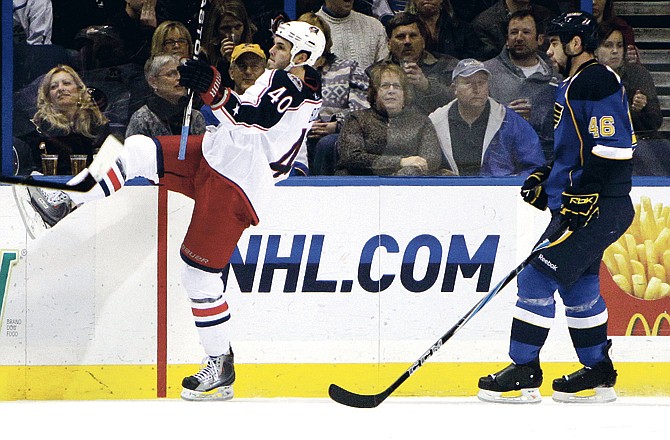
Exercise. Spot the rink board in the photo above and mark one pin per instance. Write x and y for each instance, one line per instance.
(347, 284)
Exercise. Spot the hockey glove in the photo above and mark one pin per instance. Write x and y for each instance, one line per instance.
(203, 79)
(533, 191)
(580, 206)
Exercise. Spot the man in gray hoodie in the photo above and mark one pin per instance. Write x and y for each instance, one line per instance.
(522, 80)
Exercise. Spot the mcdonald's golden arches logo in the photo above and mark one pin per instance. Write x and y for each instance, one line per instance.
(656, 330)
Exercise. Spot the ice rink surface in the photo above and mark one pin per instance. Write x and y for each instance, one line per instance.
(396, 418)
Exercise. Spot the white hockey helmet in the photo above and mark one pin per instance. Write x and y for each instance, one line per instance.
(304, 37)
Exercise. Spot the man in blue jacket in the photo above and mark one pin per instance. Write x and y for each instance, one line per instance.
(480, 136)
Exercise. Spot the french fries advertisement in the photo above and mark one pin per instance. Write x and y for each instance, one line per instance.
(637, 280)
(640, 260)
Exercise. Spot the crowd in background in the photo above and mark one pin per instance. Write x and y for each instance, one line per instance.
(416, 87)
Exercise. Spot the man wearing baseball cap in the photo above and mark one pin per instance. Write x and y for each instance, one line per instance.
(480, 136)
(247, 63)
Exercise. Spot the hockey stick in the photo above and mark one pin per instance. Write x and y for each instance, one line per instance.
(83, 182)
(340, 395)
(186, 123)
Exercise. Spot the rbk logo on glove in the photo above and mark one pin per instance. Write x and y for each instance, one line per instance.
(580, 206)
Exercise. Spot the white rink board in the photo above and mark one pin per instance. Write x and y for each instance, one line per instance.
(86, 292)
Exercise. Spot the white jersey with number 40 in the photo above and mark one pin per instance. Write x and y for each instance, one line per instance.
(261, 132)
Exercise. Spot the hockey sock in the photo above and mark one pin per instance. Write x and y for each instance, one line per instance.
(209, 308)
(587, 316)
(533, 315)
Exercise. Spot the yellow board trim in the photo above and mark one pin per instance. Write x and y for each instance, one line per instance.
(118, 382)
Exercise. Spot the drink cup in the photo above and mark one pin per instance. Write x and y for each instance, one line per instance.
(77, 163)
(49, 164)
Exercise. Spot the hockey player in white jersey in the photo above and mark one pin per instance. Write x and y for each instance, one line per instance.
(228, 172)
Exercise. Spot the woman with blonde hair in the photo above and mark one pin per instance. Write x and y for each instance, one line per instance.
(172, 37)
(67, 120)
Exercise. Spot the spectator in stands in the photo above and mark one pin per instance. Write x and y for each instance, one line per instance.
(645, 108)
(33, 21)
(480, 136)
(227, 24)
(447, 34)
(603, 10)
(247, 63)
(344, 87)
(67, 120)
(169, 37)
(429, 74)
(522, 80)
(163, 113)
(491, 25)
(391, 137)
(172, 37)
(355, 36)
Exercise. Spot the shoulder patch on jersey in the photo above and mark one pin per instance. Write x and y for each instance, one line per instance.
(296, 81)
(594, 83)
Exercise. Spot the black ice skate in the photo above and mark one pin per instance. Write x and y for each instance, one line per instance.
(588, 385)
(40, 208)
(513, 384)
(213, 382)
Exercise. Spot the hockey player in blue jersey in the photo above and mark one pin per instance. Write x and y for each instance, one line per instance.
(586, 188)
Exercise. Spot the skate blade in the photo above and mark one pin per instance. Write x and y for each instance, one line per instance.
(595, 395)
(220, 394)
(35, 225)
(525, 396)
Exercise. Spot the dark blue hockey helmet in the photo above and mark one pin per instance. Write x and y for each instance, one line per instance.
(569, 24)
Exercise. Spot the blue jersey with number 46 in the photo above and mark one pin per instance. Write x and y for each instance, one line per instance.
(593, 134)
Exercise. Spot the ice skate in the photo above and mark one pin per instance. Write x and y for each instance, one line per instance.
(513, 384)
(213, 382)
(588, 385)
(40, 208)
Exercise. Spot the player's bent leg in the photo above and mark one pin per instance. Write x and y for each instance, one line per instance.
(210, 311)
(115, 163)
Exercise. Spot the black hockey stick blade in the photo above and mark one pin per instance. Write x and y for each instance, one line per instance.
(344, 397)
(348, 398)
(86, 184)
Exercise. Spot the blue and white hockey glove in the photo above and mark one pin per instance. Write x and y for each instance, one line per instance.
(533, 191)
(203, 79)
(580, 206)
